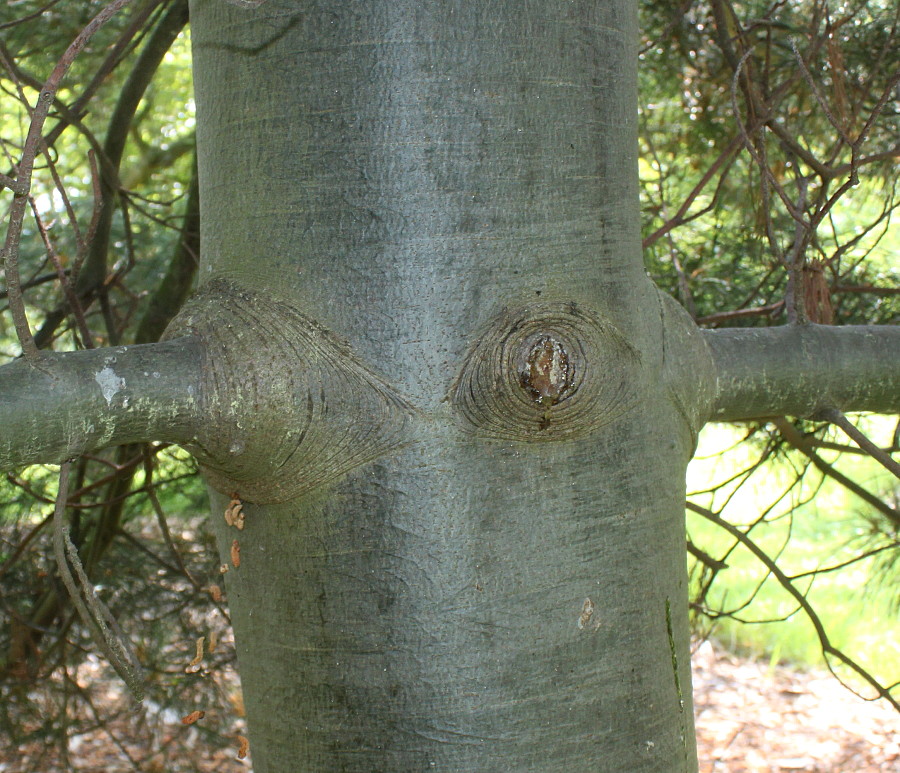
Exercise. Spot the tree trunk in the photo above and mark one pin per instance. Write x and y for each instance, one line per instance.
(496, 580)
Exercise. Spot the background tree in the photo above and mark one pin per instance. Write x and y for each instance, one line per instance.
(798, 167)
(759, 213)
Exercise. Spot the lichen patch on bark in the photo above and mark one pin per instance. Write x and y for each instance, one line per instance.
(110, 383)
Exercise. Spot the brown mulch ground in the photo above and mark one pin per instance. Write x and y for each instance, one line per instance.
(750, 719)
(753, 719)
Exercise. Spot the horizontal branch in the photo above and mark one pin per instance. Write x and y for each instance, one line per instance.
(798, 370)
(69, 403)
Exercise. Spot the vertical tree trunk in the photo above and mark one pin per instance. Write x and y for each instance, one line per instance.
(484, 569)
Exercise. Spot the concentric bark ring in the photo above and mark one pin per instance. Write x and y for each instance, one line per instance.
(549, 371)
(287, 405)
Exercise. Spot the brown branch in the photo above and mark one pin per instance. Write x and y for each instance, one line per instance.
(727, 316)
(161, 520)
(92, 278)
(705, 558)
(790, 433)
(827, 647)
(16, 186)
(20, 548)
(71, 297)
(33, 145)
(869, 289)
(679, 217)
(839, 420)
(820, 100)
(22, 19)
(37, 281)
(91, 610)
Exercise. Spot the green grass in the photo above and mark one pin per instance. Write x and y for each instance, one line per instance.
(856, 604)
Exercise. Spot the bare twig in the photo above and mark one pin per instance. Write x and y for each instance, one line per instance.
(793, 436)
(723, 160)
(33, 145)
(803, 603)
(161, 520)
(839, 420)
(71, 297)
(807, 76)
(93, 612)
(770, 310)
(34, 15)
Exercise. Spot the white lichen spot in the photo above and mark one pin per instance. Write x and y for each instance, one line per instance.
(109, 383)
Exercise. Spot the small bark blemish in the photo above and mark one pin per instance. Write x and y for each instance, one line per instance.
(548, 374)
(193, 717)
(234, 513)
(584, 619)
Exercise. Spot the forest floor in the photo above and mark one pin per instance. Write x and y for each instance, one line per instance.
(751, 718)
(755, 719)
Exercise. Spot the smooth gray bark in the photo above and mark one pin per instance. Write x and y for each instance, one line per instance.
(799, 370)
(74, 402)
(451, 189)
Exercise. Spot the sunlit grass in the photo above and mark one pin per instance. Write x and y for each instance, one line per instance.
(805, 533)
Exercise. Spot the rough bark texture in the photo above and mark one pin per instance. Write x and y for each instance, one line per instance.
(450, 191)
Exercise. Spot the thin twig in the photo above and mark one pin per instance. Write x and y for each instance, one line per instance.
(827, 647)
(97, 190)
(751, 149)
(807, 76)
(34, 15)
(725, 157)
(840, 420)
(93, 612)
(33, 145)
(161, 520)
(86, 338)
(793, 436)
(16, 186)
(724, 316)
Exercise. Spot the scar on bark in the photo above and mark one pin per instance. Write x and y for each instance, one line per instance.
(545, 372)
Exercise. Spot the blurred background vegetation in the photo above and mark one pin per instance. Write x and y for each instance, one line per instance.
(769, 149)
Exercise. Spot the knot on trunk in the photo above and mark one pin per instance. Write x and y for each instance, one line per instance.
(287, 406)
(550, 371)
